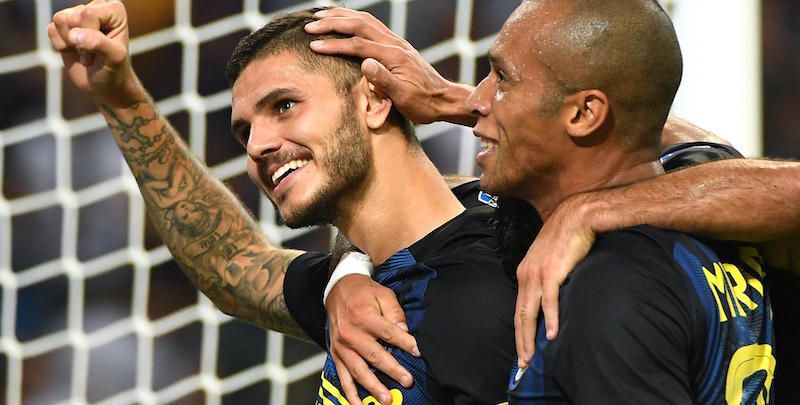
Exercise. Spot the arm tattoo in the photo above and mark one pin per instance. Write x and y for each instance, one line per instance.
(211, 235)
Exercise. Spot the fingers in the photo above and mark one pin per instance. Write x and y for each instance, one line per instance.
(353, 26)
(95, 42)
(550, 308)
(392, 328)
(367, 21)
(348, 385)
(59, 44)
(393, 334)
(364, 345)
(525, 318)
(89, 29)
(360, 373)
(378, 75)
(358, 47)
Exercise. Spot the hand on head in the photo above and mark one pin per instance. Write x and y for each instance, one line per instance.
(418, 91)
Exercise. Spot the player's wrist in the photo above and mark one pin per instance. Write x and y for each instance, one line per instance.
(596, 212)
(352, 263)
(124, 92)
(450, 104)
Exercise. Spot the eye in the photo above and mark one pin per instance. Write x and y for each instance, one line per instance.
(501, 75)
(284, 106)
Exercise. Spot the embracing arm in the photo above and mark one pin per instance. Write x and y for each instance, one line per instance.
(210, 234)
(747, 200)
(737, 199)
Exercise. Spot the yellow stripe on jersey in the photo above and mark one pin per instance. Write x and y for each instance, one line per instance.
(327, 386)
(397, 398)
(325, 400)
(330, 388)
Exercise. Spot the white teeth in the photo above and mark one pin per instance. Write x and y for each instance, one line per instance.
(294, 164)
(488, 145)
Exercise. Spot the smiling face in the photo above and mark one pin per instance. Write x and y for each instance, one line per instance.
(307, 145)
(517, 106)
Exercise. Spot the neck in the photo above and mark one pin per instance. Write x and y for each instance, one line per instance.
(585, 173)
(404, 199)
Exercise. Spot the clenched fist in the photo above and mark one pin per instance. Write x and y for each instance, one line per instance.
(93, 42)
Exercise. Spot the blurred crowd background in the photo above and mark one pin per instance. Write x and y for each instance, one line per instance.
(30, 167)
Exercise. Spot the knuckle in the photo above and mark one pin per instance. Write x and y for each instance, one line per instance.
(374, 357)
(60, 17)
(357, 373)
(387, 334)
(524, 314)
(89, 13)
(357, 43)
(345, 336)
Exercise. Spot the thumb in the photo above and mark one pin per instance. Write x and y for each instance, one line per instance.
(378, 75)
(95, 42)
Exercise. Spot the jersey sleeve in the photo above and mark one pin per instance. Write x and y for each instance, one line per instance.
(467, 335)
(303, 286)
(627, 326)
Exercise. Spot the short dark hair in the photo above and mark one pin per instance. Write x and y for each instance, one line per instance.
(287, 34)
(626, 48)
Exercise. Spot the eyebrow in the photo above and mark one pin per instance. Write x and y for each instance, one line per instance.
(494, 59)
(264, 101)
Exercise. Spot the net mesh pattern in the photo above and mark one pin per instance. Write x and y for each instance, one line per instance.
(93, 308)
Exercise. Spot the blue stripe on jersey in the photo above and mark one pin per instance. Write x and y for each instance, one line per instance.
(533, 383)
(712, 348)
(409, 280)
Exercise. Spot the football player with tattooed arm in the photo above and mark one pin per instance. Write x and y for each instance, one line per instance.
(708, 200)
(326, 148)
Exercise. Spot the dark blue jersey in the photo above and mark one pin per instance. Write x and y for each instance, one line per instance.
(459, 305)
(654, 316)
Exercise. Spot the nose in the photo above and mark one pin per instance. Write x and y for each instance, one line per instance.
(262, 141)
(479, 102)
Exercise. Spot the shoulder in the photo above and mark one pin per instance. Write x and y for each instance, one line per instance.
(627, 275)
(642, 248)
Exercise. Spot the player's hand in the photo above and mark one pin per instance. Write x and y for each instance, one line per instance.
(363, 316)
(93, 42)
(418, 91)
(565, 239)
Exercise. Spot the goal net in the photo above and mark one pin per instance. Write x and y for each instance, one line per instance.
(93, 308)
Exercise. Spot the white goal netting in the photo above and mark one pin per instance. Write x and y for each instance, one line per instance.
(93, 308)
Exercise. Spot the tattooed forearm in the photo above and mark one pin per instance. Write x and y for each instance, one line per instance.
(211, 235)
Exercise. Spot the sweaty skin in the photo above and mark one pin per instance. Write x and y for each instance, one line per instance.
(397, 69)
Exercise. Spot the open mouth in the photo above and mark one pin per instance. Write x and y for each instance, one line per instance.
(488, 145)
(287, 169)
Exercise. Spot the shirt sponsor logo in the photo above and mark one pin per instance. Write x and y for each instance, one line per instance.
(487, 199)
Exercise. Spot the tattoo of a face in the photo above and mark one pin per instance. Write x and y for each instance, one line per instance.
(213, 238)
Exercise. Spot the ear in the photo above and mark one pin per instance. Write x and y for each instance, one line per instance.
(586, 111)
(375, 105)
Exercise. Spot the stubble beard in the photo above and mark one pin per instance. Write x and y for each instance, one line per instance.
(346, 164)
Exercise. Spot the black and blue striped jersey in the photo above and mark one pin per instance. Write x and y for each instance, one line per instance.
(459, 305)
(654, 316)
